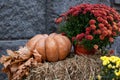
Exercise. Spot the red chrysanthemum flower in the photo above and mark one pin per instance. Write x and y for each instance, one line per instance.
(118, 24)
(111, 39)
(105, 33)
(98, 31)
(101, 25)
(95, 46)
(87, 32)
(89, 37)
(88, 29)
(109, 32)
(102, 37)
(100, 19)
(80, 36)
(58, 20)
(92, 22)
(93, 27)
(112, 51)
(114, 33)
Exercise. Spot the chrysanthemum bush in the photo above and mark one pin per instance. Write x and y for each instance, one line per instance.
(110, 68)
(92, 25)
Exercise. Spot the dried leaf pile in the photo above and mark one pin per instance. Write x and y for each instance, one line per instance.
(75, 68)
(18, 63)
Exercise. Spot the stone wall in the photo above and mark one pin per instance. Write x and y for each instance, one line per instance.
(22, 19)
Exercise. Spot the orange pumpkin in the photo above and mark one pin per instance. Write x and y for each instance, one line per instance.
(52, 47)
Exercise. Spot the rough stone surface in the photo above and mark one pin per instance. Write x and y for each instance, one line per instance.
(8, 44)
(56, 7)
(116, 46)
(115, 4)
(21, 18)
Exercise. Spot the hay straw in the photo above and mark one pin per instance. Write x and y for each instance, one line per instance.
(76, 68)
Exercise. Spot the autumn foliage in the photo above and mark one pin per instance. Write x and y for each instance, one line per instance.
(18, 63)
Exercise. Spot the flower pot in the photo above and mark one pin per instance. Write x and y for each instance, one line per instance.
(79, 49)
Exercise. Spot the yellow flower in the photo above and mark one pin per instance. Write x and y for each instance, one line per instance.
(113, 78)
(103, 58)
(99, 77)
(111, 63)
(117, 73)
(106, 62)
(118, 64)
(113, 67)
(110, 66)
(113, 59)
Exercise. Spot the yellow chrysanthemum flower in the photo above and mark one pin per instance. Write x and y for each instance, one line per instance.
(103, 58)
(117, 73)
(118, 63)
(113, 67)
(109, 66)
(99, 77)
(113, 59)
(106, 62)
(111, 63)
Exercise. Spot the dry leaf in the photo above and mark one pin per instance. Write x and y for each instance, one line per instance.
(12, 53)
(37, 56)
(28, 63)
(7, 63)
(34, 63)
(4, 59)
(24, 53)
(14, 68)
(21, 67)
(18, 63)
(7, 71)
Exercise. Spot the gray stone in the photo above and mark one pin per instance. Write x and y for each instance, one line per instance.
(3, 76)
(115, 4)
(106, 2)
(21, 18)
(116, 46)
(8, 44)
